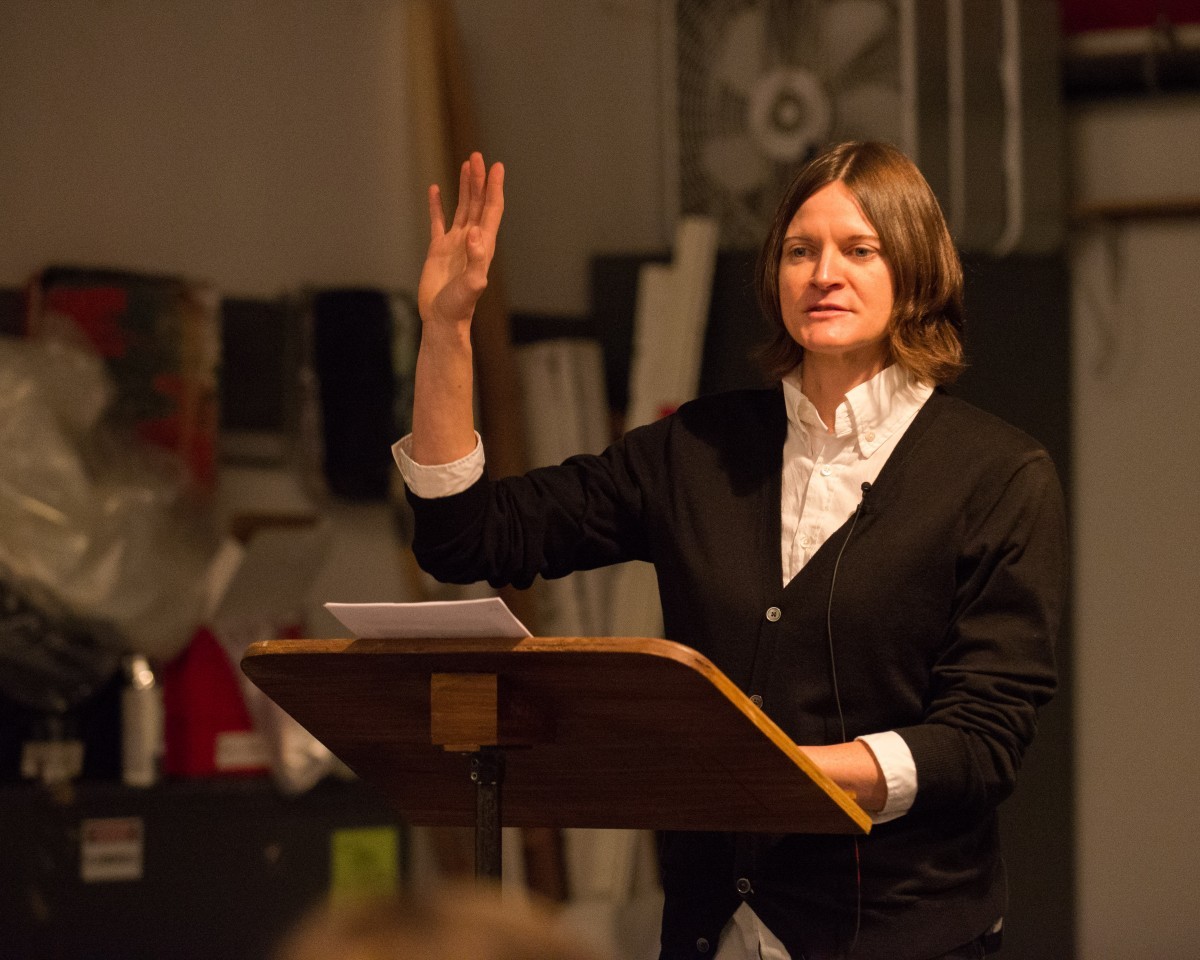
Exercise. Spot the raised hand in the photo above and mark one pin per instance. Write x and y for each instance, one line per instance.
(452, 280)
(456, 266)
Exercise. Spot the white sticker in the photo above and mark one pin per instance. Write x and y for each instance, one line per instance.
(52, 761)
(241, 750)
(111, 848)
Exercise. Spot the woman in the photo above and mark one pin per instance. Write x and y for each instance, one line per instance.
(877, 564)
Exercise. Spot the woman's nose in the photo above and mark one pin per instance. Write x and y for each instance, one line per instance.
(828, 268)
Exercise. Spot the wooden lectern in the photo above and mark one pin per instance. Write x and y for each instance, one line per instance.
(572, 732)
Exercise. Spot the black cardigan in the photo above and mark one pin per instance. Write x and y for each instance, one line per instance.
(948, 596)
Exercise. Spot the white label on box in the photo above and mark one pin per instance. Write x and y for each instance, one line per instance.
(111, 848)
(241, 750)
(52, 761)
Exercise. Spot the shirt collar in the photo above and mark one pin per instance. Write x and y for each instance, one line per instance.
(871, 412)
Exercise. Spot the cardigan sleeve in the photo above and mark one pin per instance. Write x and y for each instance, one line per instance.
(584, 513)
(996, 666)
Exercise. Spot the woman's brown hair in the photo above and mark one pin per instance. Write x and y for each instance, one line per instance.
(925, 329)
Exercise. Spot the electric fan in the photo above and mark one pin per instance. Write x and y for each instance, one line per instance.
(763, 84)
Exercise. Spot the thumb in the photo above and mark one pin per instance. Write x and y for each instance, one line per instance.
(476, 250)
(477, 255)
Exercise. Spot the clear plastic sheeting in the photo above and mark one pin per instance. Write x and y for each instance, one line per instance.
(104, 526)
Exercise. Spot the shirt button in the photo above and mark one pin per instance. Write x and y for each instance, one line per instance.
(805, 540)
(774, 613)
(702, 945)
(743, 886)
(756, 700)
(870, 436)
(826, 470)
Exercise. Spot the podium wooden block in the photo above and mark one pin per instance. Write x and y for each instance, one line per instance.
(595, 732)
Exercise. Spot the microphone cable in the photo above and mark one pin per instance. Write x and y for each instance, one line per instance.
(837, 699)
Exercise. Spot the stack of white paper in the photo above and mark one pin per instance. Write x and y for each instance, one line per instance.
(486, 617)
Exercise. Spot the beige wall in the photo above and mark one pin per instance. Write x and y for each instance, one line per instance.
(1136, 287)
(258, 144)
(263, 144)
(568, 97)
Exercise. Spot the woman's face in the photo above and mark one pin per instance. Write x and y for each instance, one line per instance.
(835, 285)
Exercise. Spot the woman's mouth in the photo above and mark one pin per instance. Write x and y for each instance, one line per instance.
(823, 310)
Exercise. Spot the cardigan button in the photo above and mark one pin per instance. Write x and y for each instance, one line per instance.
(743, 887)
(756, 700)
(774, 613)
(702, 945)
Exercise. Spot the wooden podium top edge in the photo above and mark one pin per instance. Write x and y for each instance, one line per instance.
(637, 646)
(644, 646)
(654, 647)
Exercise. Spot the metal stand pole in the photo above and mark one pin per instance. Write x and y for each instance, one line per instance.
(487, 771)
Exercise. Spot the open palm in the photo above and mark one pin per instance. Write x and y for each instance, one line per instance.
(456, 266)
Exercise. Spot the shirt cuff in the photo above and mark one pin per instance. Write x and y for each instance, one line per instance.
(439, 480)
(895, 759)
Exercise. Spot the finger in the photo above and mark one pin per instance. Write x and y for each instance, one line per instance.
(464, 191)
(437, 219)
(493, 207)
(478, 179)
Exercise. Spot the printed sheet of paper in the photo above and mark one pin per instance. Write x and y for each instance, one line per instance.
(488, 617)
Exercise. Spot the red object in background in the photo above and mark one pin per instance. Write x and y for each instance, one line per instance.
(1084, 16)
(191, 428)
(157, 336)
(202, 701)
(98, 313)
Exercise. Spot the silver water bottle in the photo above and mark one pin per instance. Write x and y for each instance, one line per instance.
(141, 723)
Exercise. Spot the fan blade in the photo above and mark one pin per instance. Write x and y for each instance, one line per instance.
(743, 50)
(869, 111)
(849, 29)
(788, 112)
(733, 163)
